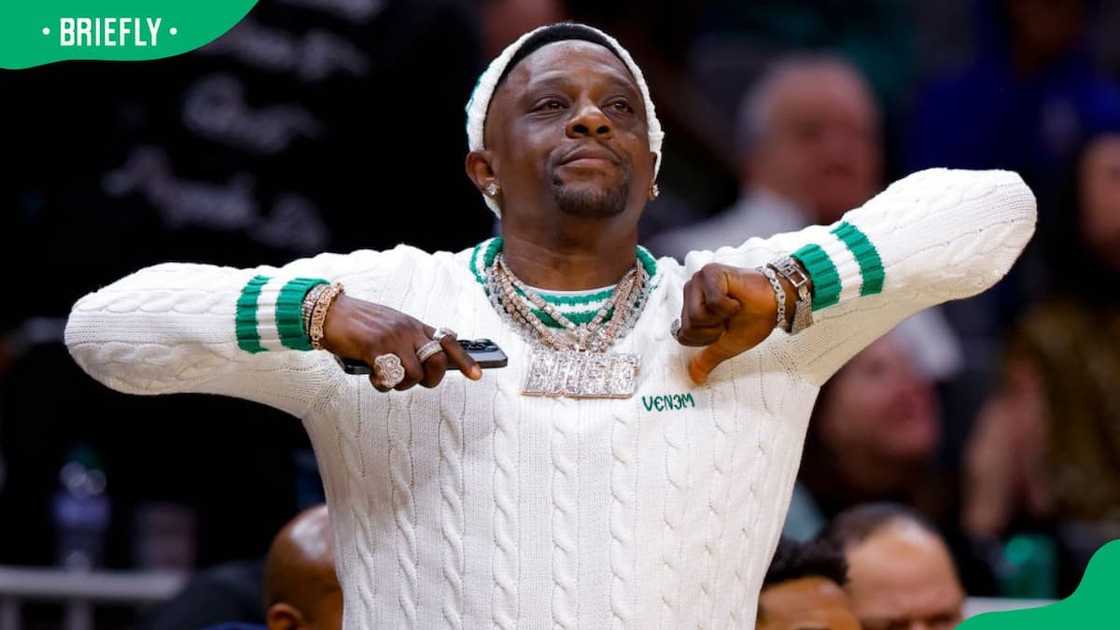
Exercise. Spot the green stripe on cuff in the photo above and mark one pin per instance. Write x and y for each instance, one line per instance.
(245, 318)
(870, 265)
(289, 312)
(826, 280)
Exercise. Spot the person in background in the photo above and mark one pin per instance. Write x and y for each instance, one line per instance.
(803, 589)
(301, 589)
(900, 573)
(296, 583)
(810, 150)
(873, 436)
(1042, 458)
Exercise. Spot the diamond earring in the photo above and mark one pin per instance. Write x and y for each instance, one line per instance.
(491, 189)
(653, 191)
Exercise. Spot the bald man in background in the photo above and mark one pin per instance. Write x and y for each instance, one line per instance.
(301, 589)
(900, 573)
(810, 146)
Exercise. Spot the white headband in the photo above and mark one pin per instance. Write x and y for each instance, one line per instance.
(479, 102)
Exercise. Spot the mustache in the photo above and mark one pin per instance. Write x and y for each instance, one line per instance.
(592, 148)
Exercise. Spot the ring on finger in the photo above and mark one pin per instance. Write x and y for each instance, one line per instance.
(675, 329)
(429, 350)
(444, 332)
(388, 370)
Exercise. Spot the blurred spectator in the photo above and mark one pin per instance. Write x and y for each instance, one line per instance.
(1043, 457)
(296, 583)
(872, 437)
(301, 589)
(900, 573)
(803, 589)
(808, 134)
(740, 38)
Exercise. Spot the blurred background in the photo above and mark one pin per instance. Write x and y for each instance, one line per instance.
(333, 125)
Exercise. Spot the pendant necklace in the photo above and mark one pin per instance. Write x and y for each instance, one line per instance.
(574, 361)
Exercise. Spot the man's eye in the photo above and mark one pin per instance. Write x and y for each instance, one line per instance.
(622, 106)
(550, 104)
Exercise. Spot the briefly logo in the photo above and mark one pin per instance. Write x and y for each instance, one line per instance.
(668, 402)
(109, 31)
(37, 32)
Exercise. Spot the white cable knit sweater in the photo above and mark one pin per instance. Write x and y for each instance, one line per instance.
(470, 505)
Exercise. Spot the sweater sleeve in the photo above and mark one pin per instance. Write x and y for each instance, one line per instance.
(934, 236)
(175, 328)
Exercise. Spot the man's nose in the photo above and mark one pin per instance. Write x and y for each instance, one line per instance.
(589, 121)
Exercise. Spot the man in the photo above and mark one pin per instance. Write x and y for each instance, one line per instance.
(301, 589)
(599, 479)
(803, 590)
(809, 140)
(900, 573)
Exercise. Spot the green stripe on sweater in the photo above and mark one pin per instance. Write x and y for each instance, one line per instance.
(245, 318)
(826, 280)
(870, 265)
(289, 312)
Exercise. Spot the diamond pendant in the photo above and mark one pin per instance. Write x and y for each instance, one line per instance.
(572, 374)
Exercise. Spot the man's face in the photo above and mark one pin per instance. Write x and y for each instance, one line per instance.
(902, 578)
(567, 132)
(809, 603)
(1100, 194)
(881, 408)
(821, 145)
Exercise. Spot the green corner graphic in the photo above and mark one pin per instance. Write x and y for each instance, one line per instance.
(1090, 606)
(37, 32)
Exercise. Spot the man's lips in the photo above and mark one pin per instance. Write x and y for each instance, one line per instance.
(588, 156)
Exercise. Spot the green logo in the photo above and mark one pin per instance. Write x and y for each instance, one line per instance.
(668, 402)
(1090, 606)
(44, 31)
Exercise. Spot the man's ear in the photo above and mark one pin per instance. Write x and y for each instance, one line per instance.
(281, 616)
(481, 169)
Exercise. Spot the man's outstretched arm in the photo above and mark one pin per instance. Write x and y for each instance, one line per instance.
(933, 236)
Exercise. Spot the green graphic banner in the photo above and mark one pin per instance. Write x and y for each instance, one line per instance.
(37, 32)
(1092, 605)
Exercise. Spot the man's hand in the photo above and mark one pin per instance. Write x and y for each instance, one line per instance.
(360, 330)
(728, 309)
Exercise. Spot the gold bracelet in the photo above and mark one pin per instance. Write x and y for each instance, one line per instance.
(309, 305)
(319, 313)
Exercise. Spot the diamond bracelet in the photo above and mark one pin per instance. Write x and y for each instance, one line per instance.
(779, 294)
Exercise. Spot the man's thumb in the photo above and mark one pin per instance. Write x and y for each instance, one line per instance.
(708, 359)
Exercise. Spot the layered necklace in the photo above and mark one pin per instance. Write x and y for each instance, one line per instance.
(572, 360)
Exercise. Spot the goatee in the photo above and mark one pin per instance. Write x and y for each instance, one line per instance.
(592, 202)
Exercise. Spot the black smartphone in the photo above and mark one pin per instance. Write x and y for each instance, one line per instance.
(485, 352)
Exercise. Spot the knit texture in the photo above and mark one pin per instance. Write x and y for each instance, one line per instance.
(470, 505)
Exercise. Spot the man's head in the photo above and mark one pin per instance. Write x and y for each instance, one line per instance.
(803, 590)
(301, 589)
(561, 127)
(879, 412)
(900, 573)
(809, 131)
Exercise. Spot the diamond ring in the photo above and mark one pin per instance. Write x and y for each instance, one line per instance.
(388, 370)
(429, 350)
(675, 329)
(444, 332)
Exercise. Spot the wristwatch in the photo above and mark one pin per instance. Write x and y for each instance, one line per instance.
(789, 269)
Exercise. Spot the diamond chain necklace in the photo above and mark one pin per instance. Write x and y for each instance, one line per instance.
(578, 365)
